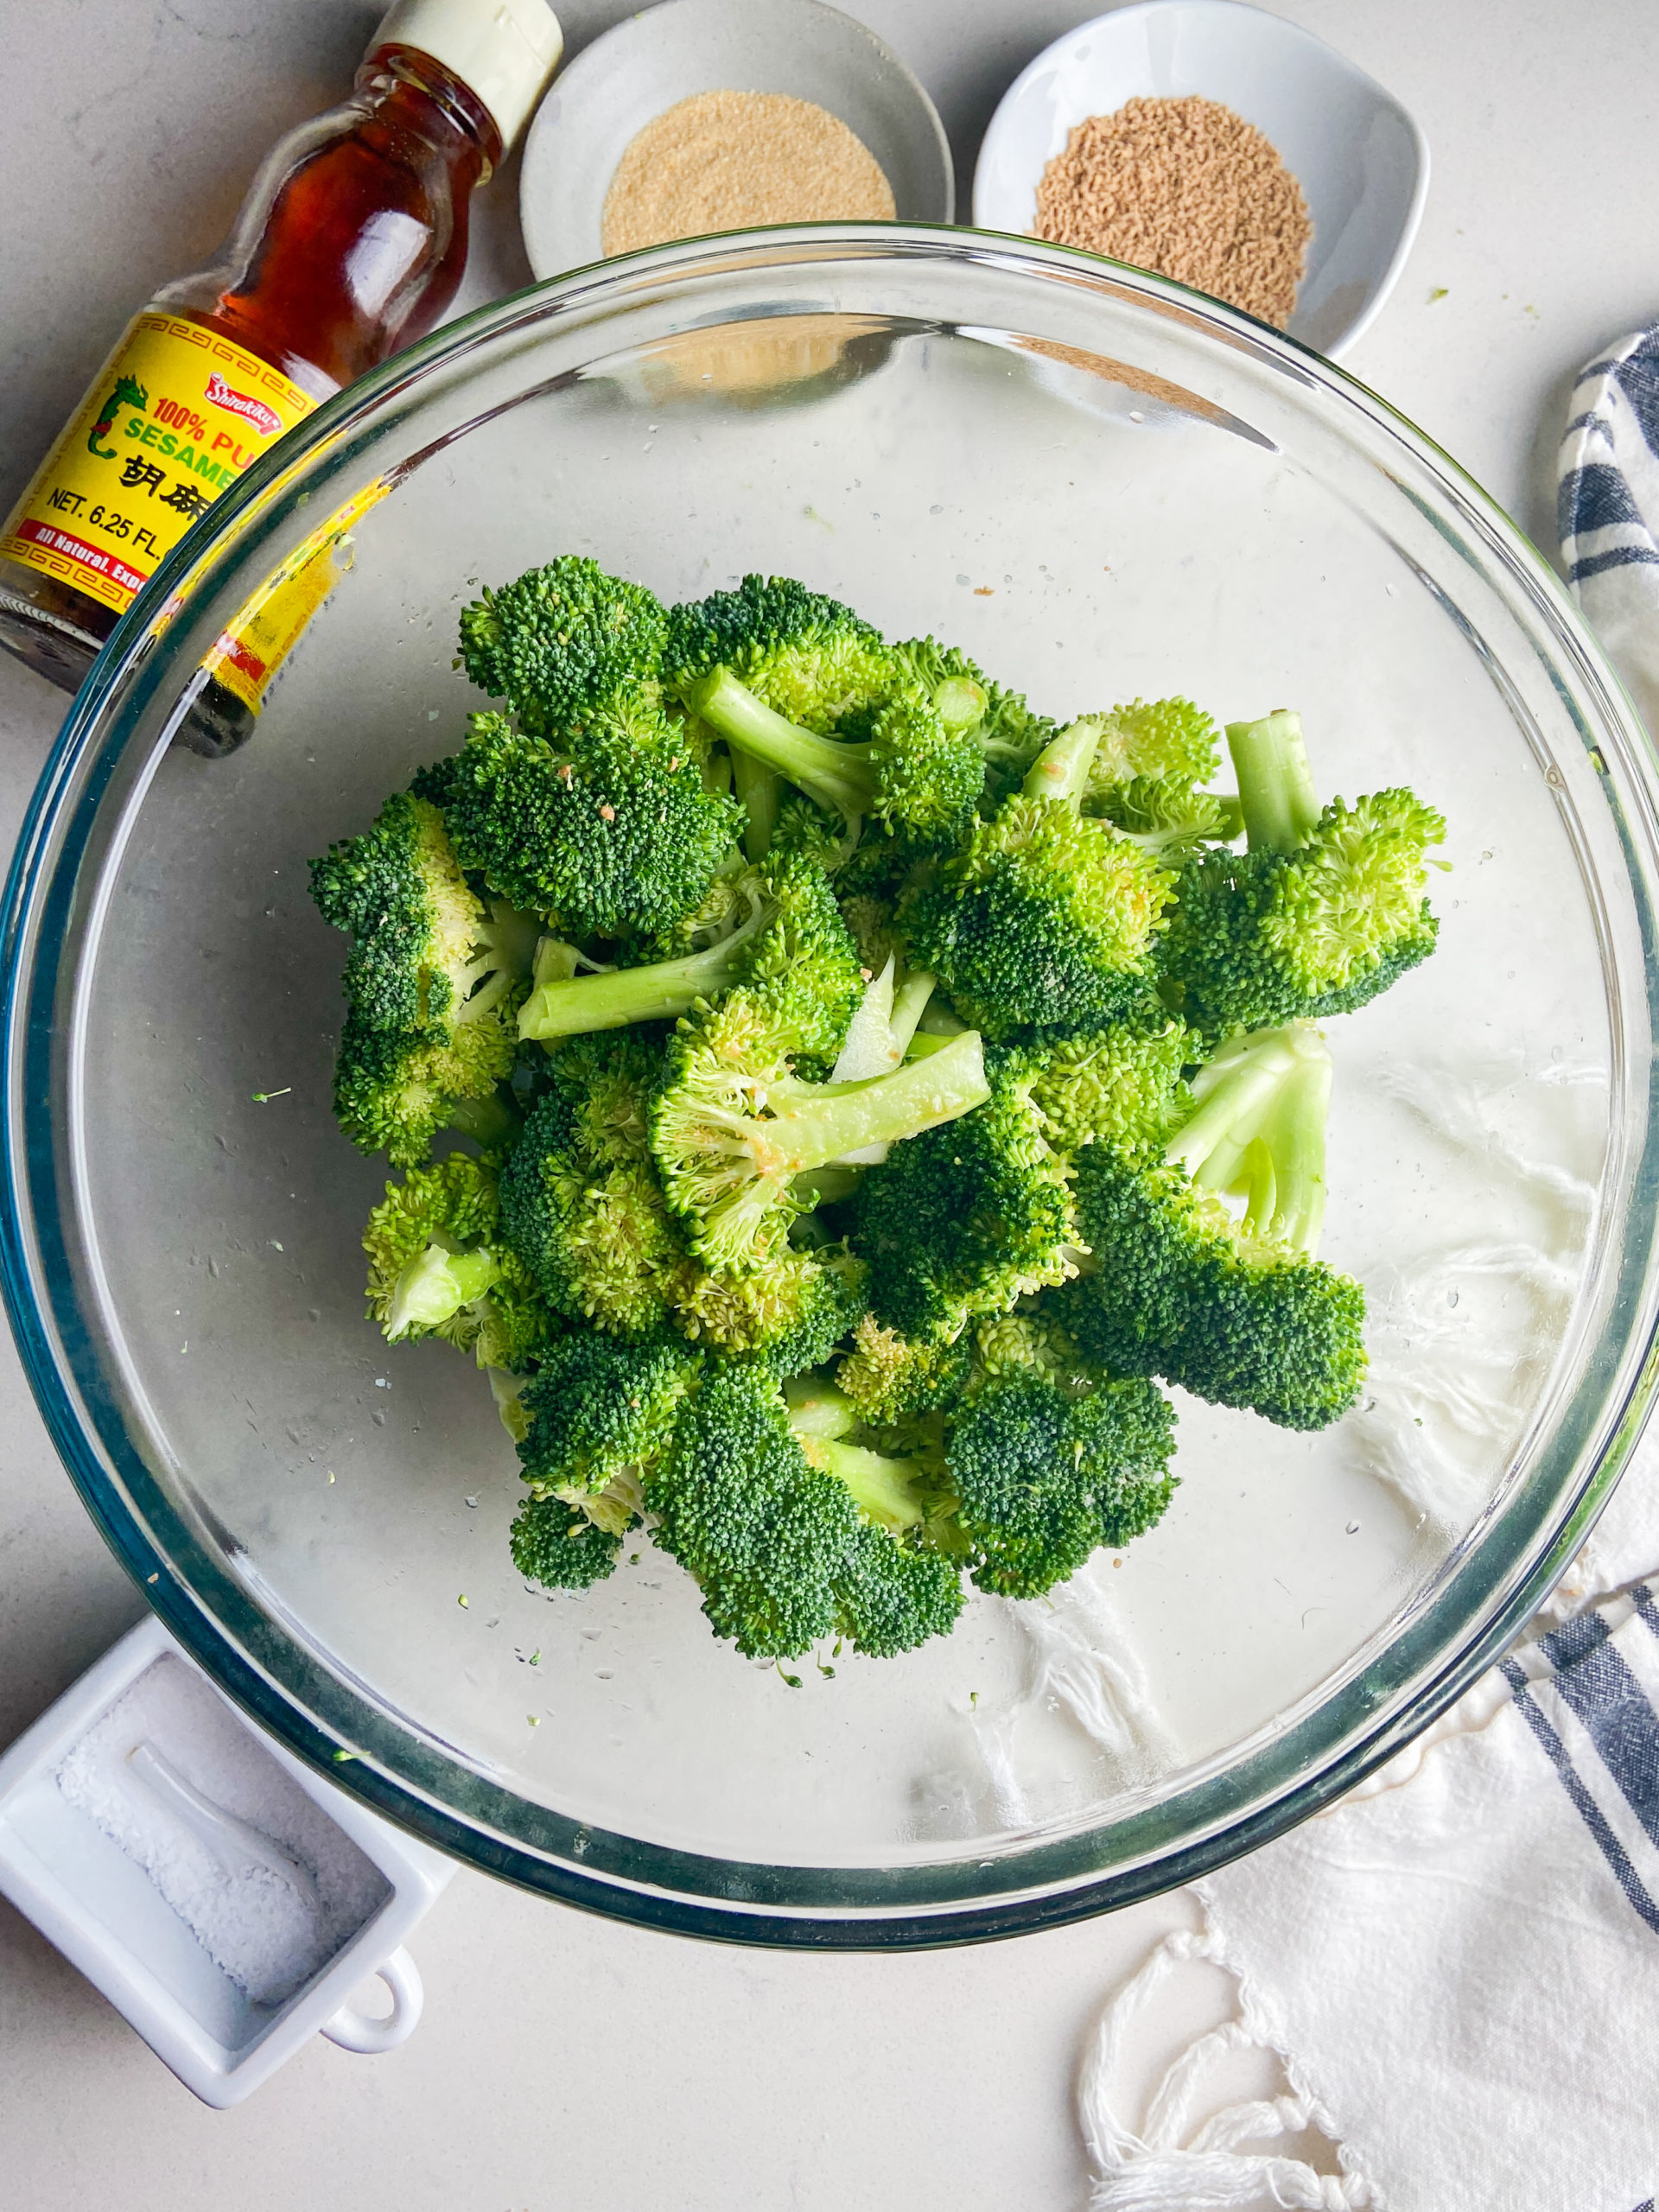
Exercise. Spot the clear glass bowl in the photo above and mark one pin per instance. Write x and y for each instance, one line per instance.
(1101, 486)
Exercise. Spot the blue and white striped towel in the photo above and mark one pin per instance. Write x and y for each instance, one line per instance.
(1457, 1967)
(1609, 508)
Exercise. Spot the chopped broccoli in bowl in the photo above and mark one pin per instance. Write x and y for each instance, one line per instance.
(836, 1098)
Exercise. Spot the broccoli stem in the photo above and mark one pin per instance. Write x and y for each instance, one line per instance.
(1293, 1138)
(574, 1005)
(909, 1005)
(840, 777)
(879, 1037)
(809, 1130)
(825, 1187)
(1060, 771)
(1231, 1109)
(887, 1490)
(760, 789)
(1276, 784)
(867, 1049)
(555, 961)
(818, 1409)
(507, 1390)
(436, 1286)
(489, 1121)
(960, 704)
(1258, 1130)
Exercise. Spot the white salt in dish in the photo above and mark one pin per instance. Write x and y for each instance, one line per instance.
(224, 1898)
(268, 1931)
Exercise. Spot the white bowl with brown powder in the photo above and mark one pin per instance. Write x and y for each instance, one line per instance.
(706, 115)
(1219, 145)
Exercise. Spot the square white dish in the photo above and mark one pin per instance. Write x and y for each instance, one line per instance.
(1361, 160)
(100, 1908)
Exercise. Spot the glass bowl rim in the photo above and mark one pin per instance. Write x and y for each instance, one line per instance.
(33, 922)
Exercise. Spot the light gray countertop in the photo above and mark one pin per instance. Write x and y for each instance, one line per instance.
(565, 2063)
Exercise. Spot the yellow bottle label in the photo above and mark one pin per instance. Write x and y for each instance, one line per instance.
(177, 413)
(248, 652)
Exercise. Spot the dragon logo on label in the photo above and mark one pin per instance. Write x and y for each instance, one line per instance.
(125, 394)
(220, 394)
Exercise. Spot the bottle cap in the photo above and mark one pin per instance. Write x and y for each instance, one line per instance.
(504, 51)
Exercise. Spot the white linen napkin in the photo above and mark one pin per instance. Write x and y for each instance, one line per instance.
(1458, 1965)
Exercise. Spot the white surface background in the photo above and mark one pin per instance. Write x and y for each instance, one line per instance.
(566, 2064)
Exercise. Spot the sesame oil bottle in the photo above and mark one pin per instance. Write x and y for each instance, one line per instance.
(350, 244)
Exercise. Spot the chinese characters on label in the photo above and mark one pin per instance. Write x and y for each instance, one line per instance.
(175, 416)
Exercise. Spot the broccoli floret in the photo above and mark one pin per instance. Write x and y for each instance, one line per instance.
(966, 1219)
(894, 1588)
(1235, 1308)
(1168, 820)
(600, 1415)
(1324, 910)
(515, 1325)
(1148, 775)
(428, 1244)
(870, 888)
(790, 1314)
(582, 1205)
(806, 657)
(432, 983)
(562, 642)
(1042, 917)
(556, 1544)
(601, 1411)
(1166, 741)
(606, 1082)
(793, 1538)
(963, 693)
(1010, 736)
(1045, 1475)
(1031, 1345)
(1040, 1457)
(438, 1266)
(884, 862)
(806, 831)
(722, 909)
(614, 831)
(740, 1508)
(775, 668)
(889, 1378)
(792, 936)
(871, 925)
(1119, 1086)
(733, 1126)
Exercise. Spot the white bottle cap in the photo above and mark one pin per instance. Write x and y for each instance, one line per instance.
(504, 51)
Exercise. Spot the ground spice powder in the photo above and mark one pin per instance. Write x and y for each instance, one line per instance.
(723, 161)
(1188, 189)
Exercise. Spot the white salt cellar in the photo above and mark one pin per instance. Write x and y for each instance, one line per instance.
(224, 1900)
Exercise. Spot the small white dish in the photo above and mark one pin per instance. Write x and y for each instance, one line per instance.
(105, 1914)
(1361, 160)
(645, 65)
